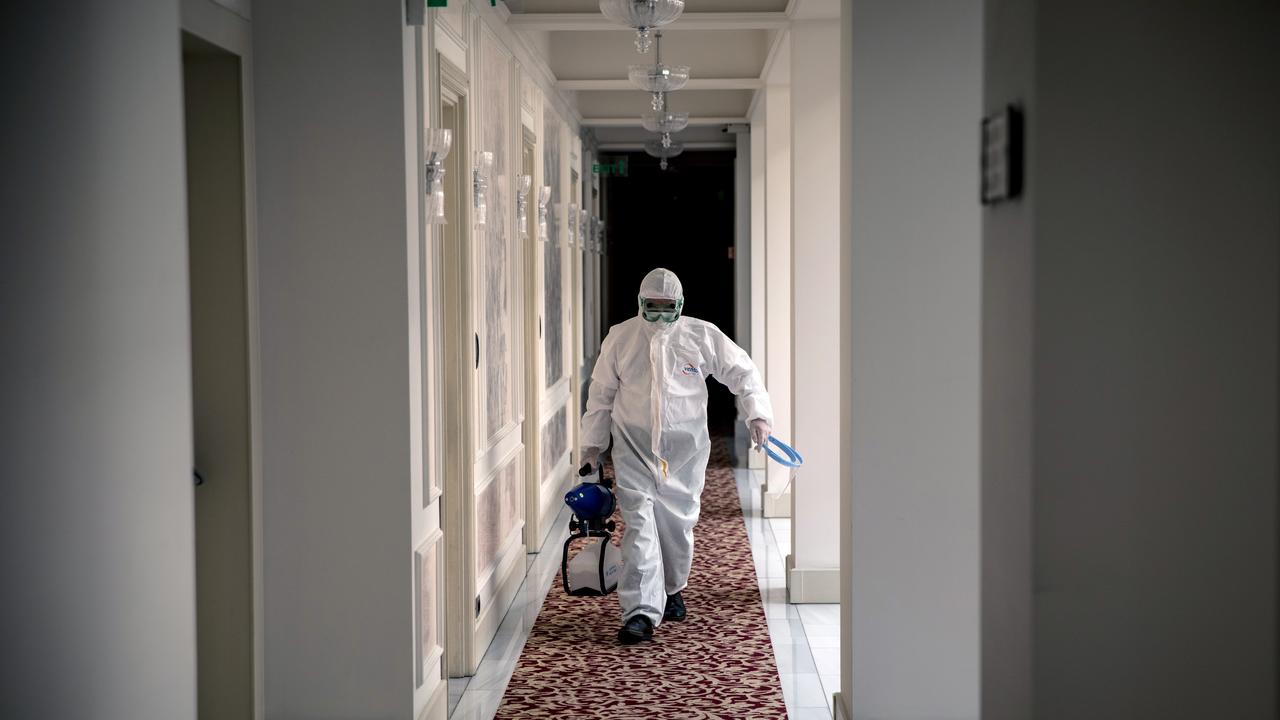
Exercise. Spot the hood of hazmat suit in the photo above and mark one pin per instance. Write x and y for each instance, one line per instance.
(649, 390)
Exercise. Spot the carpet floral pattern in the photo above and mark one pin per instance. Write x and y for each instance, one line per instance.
(717, 664)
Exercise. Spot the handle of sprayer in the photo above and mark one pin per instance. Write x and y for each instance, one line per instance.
(586, 470)
(790, 458)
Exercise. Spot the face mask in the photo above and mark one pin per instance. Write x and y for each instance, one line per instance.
(660, 309)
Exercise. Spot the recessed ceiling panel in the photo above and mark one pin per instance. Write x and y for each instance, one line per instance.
(710, 53)
(632, 104)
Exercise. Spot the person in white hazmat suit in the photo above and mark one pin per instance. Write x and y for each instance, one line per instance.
(649, 389)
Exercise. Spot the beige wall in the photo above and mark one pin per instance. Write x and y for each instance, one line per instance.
(911, 520)
(95, 472)
(815, 309)
(1149, 467)
(777, 292)
(333, 228)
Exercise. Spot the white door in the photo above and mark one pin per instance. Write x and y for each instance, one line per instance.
(496, 513)
(555, 414)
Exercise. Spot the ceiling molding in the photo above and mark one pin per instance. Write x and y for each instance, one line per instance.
(755, 100)
(752, 83)
(565, 22)
(813, 9)
(775, 49)
(533, 63)
(635, 122)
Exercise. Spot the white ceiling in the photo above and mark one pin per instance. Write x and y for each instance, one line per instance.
(726, 43)
(593, 6)
(709, 53)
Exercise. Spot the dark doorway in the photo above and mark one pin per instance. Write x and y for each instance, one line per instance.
(220, 383)
(681, 219)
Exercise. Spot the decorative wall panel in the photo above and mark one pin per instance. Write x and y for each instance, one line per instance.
(553, 260)
(496, 245)
(427, 571)
(499, 508)
(555, 440)
(588, 307)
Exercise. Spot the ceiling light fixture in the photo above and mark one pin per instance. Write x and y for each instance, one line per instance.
(658, 78)
(435, 147)
(642, 15)
(665, 121)
(663, 150)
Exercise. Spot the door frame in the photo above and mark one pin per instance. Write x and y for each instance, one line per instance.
(533, 363)
(452, 88)
(232, 33)
(428, 534)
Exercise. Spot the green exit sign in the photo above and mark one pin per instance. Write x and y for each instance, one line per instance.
(617, 168)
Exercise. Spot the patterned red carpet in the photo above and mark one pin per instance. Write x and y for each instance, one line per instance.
(716, 664)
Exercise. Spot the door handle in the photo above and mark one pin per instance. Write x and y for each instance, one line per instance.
(477, 351)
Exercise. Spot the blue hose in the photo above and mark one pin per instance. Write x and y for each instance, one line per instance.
(792, 459)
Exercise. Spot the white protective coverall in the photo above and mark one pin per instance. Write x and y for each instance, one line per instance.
(649, 387)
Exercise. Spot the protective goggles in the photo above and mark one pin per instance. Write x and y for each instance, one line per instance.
(664, 309)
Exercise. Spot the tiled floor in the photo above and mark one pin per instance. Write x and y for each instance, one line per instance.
(806, 638)
(478, 697)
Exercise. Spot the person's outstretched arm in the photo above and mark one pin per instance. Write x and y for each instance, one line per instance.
(597, 421)
(734, 368)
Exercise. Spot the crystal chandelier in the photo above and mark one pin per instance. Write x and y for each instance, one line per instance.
(658, 78)
(643, 15)
(663, 150)
(665, 121)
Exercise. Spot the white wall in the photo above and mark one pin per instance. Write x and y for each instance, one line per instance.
(756, 305)
(1006, 425)
(95, 461)
(742, 269)
(777, 293)
(912, 577)
(333, 234)
(815, 308)
(1152, 355)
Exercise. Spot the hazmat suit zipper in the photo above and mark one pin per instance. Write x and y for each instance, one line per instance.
(656, 362)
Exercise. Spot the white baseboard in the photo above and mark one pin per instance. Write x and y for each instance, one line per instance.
(775, 505)
(842, 712)
(812, 585)
(437, 708)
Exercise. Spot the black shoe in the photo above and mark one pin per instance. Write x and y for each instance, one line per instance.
(675, 608)
(637, 629)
